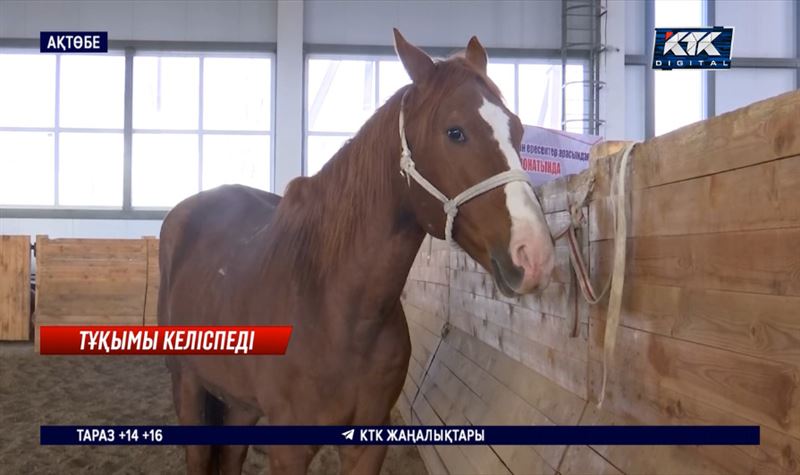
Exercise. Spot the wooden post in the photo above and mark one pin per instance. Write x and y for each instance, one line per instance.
(15, 291)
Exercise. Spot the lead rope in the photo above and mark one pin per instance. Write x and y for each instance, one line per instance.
(617, 279)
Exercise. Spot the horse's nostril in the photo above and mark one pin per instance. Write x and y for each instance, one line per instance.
(522, 258)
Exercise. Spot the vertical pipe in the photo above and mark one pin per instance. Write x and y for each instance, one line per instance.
(127, 133)
(289, 102)
(649, 74)
(200, 126)
(797, 44)
(710, 76)
(564, 64)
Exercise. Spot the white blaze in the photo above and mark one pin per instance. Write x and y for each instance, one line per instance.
(521, 202)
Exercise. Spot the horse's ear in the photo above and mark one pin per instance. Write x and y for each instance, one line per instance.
(476, 54)
(417, 63)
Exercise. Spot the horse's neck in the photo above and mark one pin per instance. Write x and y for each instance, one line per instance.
(364, 234)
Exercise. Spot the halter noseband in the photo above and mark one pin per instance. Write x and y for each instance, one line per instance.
(408, 169)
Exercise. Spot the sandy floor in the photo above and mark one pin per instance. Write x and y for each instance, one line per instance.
(129, 390)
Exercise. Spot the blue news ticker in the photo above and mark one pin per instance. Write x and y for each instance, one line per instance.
(73, 42)
(402, 435)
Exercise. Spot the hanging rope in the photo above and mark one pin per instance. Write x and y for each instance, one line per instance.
(617, 279)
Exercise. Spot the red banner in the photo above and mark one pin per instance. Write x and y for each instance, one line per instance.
(164, 340)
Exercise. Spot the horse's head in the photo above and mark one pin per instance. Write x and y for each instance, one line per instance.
(459, 136)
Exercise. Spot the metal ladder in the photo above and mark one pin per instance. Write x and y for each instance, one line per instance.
(581, 24)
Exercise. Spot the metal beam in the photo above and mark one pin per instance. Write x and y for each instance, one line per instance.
(127, 134)
(797, 45)
(649, 74)
(56, 131)
(710, 76)
(163, 46)
(637, 60)
(85, 213)
(370, 51)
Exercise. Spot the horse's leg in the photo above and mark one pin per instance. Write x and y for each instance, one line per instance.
(190, 405)
(362, 459)
(231, 457)
(290, 459)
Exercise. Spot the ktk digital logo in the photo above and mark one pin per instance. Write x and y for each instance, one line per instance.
(693, 48)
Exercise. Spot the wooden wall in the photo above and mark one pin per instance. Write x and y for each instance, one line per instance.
(96, 281)
(15, 291)
(710, 328)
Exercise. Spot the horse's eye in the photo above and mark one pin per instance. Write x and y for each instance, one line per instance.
(456, 135)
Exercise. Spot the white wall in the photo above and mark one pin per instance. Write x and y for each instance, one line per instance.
(763, 28)
(169, 20)
(498, 24)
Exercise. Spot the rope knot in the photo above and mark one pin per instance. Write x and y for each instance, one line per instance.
(451, 208)
(406, 165)
(576, 214)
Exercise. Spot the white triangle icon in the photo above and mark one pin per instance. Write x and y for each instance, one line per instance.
(348, 434)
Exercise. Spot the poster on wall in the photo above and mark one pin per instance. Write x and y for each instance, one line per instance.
(548, 154)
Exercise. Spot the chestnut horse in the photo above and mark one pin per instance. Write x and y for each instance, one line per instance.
(332, 256)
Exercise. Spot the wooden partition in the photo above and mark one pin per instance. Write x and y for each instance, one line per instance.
(92, 281)
(153, 281)
(710, 326)
(15, 290)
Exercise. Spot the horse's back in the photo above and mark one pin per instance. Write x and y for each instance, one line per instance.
(201, 234)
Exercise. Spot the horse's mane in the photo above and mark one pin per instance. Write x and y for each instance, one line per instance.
(317, 220)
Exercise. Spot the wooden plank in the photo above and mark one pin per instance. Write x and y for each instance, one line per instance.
(762, 132)
(553, 362)
(763, 391)
(423, 343)
(489, 401)
(90, 249)
(410, 390)
(153, 283)
(580, 460)
(433, 463)
(762, 196)
(482, 400)
(452, 456)
(556, 403)
(542, 327)
(764, 262)
(443, 396)
(403, 406)
(15, 291)
(658, 459)
(633, 399)
(764, 326)
(86, 277)
(427, 296)
(759, 133)
(471, 287)
(558, 195)
(427, 320)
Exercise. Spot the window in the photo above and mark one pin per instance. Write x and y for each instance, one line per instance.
(55, 124)
(198, 121)
(743, 86)
(678, 93)
(343, 92)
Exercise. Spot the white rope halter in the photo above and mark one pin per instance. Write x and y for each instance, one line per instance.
(408, 169)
